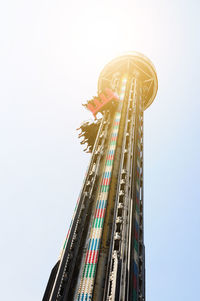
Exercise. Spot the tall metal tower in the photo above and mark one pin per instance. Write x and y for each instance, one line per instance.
(103, 257)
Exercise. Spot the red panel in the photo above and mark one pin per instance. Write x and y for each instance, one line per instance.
(98, 104)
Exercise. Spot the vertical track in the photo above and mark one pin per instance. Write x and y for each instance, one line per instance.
(127, 214)
(87, 281)
(137, 276)
(117, 279)
(127, 250)
(62, 283)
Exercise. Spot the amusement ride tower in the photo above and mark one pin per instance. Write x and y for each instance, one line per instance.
(103, 257)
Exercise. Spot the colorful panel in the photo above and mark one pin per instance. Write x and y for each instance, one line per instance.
(87, 281)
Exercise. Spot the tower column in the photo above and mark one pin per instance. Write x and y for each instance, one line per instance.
(103, 258)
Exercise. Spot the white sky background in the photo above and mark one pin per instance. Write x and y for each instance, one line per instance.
(51, 55)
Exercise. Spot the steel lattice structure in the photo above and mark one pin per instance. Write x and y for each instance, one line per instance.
(103, 257)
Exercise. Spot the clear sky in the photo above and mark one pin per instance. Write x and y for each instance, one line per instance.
(51, 55)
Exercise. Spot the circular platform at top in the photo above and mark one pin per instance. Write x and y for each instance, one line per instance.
(131, 64)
